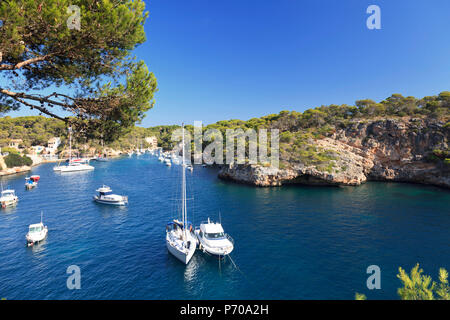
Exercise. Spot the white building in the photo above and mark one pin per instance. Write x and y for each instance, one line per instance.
(37, 149)
(53, 144)
(152, 141)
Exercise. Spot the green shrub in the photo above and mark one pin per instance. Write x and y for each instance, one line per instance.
(15, 160)
(9, 150)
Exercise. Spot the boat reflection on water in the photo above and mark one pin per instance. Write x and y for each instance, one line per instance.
(191, 270)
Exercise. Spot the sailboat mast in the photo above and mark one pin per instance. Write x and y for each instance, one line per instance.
(70, 144)
(184, 189)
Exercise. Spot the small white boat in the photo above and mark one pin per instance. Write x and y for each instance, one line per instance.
(8, 198)
(106, 196)
(36, 233)
(167, 162)
(161, 158)
(213, 240)
(31, 182)
(101, 159)
(190, 168)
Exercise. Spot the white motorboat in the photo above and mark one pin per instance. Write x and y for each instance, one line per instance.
(181, 241)
(213, 240)
(31, 182)
(106, 196)
(36, 233)
(8, 198)
(161, 158)
(167, 162)
(190, 168)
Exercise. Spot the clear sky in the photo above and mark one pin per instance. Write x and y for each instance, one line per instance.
(238, 59)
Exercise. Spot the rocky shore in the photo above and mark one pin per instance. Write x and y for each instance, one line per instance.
(383, 150)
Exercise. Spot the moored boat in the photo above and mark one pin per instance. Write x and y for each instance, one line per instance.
(31, 182)
(36, 233)
(213, 240)
(105, 196)
(181, 241)
(8, 198)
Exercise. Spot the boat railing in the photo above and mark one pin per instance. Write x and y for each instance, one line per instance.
(229, 238)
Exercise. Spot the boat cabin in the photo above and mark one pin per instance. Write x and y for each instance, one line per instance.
(8, 193)
(37, 227)
(104, 191)
(212, 231)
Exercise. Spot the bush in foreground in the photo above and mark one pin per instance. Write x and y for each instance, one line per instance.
(15, 160)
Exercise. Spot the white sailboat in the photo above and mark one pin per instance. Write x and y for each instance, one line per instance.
(180, 238)
(74, 164)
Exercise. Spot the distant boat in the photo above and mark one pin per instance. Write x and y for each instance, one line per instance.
(190, 168)
(213, 240)
(181, 241)
(8, 198)
(161, 158)
(77, 165)
(101, 159)
(36, 233)
(167, 162)
(31, 182)
(106, 196)
(73, 164)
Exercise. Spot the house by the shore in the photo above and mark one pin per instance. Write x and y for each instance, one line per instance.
(152, 141)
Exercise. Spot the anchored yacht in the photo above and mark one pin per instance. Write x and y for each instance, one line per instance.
(74, 164)
(213, 240)
(8, 198)
(180, 237)
(36, 233)
(106, 196)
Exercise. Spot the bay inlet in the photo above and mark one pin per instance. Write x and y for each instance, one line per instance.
(291, 242)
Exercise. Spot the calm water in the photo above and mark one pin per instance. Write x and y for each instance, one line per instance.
(291, 242)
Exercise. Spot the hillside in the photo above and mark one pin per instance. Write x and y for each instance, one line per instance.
(398, 139)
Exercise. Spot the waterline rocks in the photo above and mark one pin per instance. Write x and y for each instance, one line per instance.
(384, 150)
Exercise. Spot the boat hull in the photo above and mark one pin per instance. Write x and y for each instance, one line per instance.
(113, 203)
(9, 202)
(182, 255)
(76, 168)
(35, 238)
(29, 186)
(219, 251)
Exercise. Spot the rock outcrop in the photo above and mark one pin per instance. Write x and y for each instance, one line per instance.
(389, 150)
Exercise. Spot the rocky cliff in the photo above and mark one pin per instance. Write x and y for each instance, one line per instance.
(388, 149)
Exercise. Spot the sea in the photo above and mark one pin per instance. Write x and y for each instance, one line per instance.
(291, 242)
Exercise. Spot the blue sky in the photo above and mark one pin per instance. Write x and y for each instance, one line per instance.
(218, 60)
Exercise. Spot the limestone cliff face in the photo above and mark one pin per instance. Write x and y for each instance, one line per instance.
(391, 150)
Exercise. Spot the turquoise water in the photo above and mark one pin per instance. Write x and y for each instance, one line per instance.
(293, 242)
